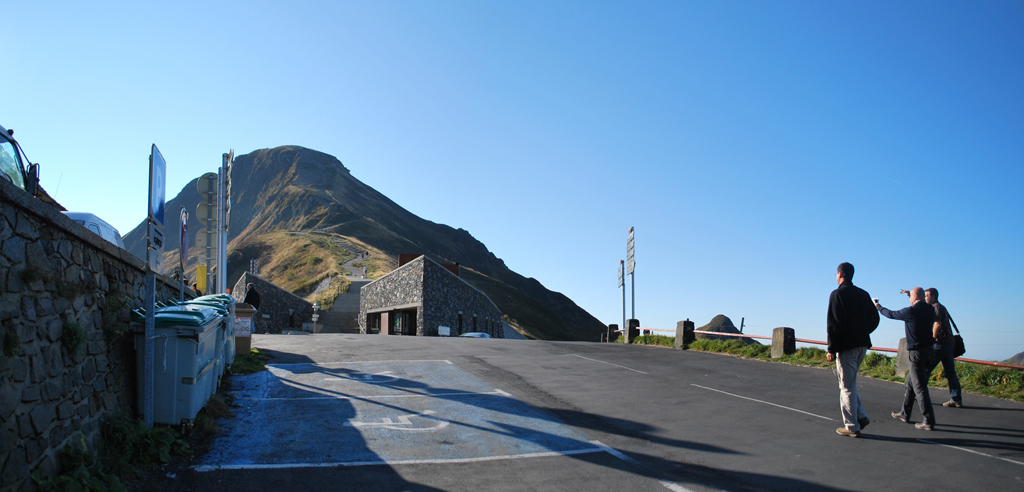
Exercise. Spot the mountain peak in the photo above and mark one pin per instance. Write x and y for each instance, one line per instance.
(300, 191)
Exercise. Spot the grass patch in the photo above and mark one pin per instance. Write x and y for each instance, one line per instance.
(974, 378)
(249, 363)
(655, 340)
(733, 347)
(298, 262)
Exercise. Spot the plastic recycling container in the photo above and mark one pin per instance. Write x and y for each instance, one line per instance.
(225, 305)
(185, 363)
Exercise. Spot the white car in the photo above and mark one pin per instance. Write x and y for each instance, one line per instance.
(475, 334)
(99, 226)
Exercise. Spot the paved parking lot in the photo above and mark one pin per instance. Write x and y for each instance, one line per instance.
(358, 412)
(388, 412)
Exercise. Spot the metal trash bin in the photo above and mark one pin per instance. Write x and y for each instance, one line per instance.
(185, 362)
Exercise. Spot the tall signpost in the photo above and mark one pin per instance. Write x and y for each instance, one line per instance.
(223, 218)
(206, 237)
(155, 256)
(630, 267)
(622, 285)
(214, 212)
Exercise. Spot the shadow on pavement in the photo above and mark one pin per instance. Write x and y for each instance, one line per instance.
(383, 477)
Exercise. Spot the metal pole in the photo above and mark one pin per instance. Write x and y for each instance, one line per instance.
(210, 227)
(148, 371)
(221, 219)
(624, 306)
(632, 293)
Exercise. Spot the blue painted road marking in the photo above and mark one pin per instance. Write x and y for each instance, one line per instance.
(361, 413)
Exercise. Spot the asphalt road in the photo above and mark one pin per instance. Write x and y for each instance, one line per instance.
(370, 412)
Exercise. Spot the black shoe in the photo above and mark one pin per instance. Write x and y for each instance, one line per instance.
(863, 422)
(899, 416)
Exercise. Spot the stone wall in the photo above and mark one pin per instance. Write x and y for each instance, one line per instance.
(56, 275)
(441, 298)
(287, 311)
(403, 286)
(446, 296)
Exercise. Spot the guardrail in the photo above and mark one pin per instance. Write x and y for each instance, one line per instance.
(819, 342)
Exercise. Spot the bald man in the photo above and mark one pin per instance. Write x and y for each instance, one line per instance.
(918, 320)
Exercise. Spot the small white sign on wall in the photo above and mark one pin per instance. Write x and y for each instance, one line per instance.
(243, 327)
(444, 331)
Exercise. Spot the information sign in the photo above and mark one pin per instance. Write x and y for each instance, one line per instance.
(157, 196)
(243, 327)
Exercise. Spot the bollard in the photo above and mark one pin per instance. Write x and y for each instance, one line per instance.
(783, 342)
(633, 331)
(612, 336)
(684, 333)
(902, 359)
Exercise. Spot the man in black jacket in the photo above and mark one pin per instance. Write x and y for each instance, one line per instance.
(918, 320)
(252, 296)
(851, 319)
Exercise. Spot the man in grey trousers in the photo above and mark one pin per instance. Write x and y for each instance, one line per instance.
(851, 319)
(918, 320)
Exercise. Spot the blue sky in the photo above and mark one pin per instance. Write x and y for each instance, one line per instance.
(753, 145)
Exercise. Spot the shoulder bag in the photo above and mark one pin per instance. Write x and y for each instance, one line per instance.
(958, 340)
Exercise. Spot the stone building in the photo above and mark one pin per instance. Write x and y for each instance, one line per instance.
(280, 310)
(423, 298)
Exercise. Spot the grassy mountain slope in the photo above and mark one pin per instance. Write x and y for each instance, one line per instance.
(294, 189)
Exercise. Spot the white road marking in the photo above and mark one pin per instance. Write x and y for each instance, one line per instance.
(971, 451)
(762, 401)
(612, 451)
(353, 362)
(387, 423)
(256, 466)
(674, 487)
(374, 397)
(609, 363)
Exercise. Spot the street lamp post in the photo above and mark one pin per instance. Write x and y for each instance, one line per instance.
(316, 315)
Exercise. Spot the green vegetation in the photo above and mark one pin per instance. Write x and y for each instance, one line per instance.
(72, 336)
(70, 290)
(975, 378)
(325, 298)
(32, 274)
(249, 363)
(128, 445)
(113, 307)
(297, 262)
(205, 424)
(79, 471)
(656, 340)
(12, 342)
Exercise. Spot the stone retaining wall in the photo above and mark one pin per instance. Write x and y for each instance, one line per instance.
(286, 311)
(57, 278)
